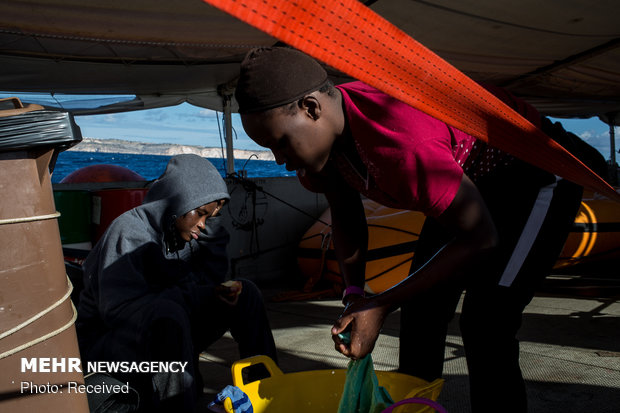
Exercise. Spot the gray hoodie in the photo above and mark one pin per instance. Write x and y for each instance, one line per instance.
(133, 265)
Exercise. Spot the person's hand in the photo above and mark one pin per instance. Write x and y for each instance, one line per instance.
(229, 291)
(363, 318)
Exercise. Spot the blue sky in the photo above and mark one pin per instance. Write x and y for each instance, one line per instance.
(184, 124)
(191, 125)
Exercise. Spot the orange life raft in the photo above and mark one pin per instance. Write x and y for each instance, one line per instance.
(393, 233)
(595, 235)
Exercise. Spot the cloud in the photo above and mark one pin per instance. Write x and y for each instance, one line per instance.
(156, 115)
(195, 114)
(599, 140)
(207, 113)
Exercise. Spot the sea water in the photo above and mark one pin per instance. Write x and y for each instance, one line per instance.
(152, 166)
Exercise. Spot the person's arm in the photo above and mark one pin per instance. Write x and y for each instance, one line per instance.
(475, 235)
(350, 235)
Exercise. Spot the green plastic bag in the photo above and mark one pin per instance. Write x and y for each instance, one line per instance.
(362, 393)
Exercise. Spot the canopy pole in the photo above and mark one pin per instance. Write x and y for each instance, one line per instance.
(230, 153)
(613, 167)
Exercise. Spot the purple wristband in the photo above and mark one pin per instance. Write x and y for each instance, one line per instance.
(353, 289)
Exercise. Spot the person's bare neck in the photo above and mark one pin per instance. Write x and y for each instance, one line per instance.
(339, 117)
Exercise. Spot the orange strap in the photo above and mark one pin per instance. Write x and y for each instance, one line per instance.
(355, 40)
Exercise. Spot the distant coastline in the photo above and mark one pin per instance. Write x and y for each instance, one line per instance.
(142, 148)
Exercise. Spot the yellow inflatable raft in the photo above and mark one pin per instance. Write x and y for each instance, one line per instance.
(393, 233)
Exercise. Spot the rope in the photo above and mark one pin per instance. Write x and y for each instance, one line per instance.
(292, 206)
(355, 40)
(37, 317)
(29, 219)
(250, 186)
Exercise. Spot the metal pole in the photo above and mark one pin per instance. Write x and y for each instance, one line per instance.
(613, 167)
(612, 140)
(230, 153)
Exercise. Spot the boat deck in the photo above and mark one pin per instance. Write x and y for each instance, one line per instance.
(570, 346)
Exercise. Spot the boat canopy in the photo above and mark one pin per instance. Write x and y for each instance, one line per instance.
(561, 56)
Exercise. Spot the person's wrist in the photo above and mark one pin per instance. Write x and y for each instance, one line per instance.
(351, 291)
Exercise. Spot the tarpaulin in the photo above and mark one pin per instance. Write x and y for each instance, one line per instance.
(37, 129)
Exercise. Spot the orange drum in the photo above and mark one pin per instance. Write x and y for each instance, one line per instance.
(102, 173)
(108, 204)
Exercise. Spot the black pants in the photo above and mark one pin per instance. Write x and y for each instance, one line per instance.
(491, 314)
(167, 331)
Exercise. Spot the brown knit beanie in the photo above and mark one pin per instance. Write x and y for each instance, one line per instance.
(274, 76)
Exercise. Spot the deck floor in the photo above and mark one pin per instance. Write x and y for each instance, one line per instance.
(570, 347)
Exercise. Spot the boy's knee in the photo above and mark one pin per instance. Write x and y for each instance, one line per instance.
(250, 287)
(166, 315)
(251, 298)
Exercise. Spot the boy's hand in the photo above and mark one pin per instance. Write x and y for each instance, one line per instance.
(356, 331)
(229, 291)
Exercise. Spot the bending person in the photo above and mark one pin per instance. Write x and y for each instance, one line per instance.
(353, 139)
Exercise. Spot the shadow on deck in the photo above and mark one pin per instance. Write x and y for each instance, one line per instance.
(570, 346)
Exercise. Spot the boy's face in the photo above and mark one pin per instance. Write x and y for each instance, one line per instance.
(191, 223)
(302, 141)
